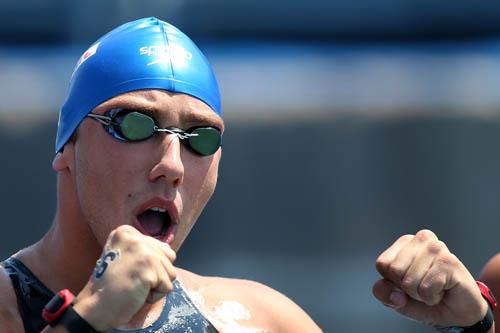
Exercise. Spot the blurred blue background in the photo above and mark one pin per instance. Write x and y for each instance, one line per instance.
(349, 124)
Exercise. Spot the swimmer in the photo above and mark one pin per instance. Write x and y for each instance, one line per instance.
(137, 152)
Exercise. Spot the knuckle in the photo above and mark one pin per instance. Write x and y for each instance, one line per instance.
(396, 270)
(431, 292)
(435, 247)
(386, 257)
(439, 282)
(381, 264)
(448, 260)
(145, 261)
(173, 275)
(125, 229)
(406, 237)
(425, 235)
(172, 255)
(122, 233)
(140, 279)
(112, 234)
(148, 277)
(168, 285)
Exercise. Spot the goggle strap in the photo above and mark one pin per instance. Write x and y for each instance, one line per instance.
(102, 119)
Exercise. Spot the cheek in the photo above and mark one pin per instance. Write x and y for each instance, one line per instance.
(109, 166)
(94, 178)
(200, 183)
(93, 197)
(104, 185)
(197, 188)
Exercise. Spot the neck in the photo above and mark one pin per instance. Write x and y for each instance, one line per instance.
(65, 257)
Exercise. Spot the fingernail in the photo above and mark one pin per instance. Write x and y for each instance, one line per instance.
(397, 299)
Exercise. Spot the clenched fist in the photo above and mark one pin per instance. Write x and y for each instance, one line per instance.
(424, 281)
(133, 270)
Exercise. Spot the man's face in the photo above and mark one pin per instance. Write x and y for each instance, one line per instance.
(156, 185)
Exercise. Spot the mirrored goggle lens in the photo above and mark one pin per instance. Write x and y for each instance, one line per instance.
(206, 142)
(136, 126)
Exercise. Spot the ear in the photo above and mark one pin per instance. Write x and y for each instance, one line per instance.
(63, 160)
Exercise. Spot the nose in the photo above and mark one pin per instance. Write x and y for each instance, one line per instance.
(169, 166)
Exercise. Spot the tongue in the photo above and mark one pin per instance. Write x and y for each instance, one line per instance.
(151, 222)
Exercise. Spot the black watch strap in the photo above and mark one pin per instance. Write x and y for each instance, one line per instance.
(72, 321)
(484, 325)
(480, 327)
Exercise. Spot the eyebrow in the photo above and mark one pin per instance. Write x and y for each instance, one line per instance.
(192, 117)
(189, 116)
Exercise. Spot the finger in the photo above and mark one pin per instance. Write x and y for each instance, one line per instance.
(395, 261)
(387, 257)
(163, 284)
(163, 264)
(167, 257)
(166, 250)
(419, 311)
(428, 247)
(432, 286)
(389, 295)
(161, 290)
(156, 295)
(168, 267)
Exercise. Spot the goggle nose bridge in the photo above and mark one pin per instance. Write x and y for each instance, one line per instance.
(176, 131)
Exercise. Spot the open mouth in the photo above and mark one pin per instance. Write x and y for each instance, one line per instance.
(156, 222)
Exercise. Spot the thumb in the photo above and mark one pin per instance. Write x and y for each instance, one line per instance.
(389, 295)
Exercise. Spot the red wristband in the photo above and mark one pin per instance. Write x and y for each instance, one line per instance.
(487, 295)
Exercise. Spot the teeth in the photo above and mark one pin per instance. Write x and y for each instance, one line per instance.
(158, 209)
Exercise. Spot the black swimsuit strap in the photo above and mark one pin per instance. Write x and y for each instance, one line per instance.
(31, 294)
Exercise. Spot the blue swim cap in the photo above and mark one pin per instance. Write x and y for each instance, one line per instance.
(143, 54)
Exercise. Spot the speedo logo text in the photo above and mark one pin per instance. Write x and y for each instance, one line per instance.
(165, 52)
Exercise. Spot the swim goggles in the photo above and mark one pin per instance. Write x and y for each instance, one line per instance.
(132, 125)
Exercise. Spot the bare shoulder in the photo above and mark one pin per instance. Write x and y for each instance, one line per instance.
(9, 314)
(491, 274)
(250, 304)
